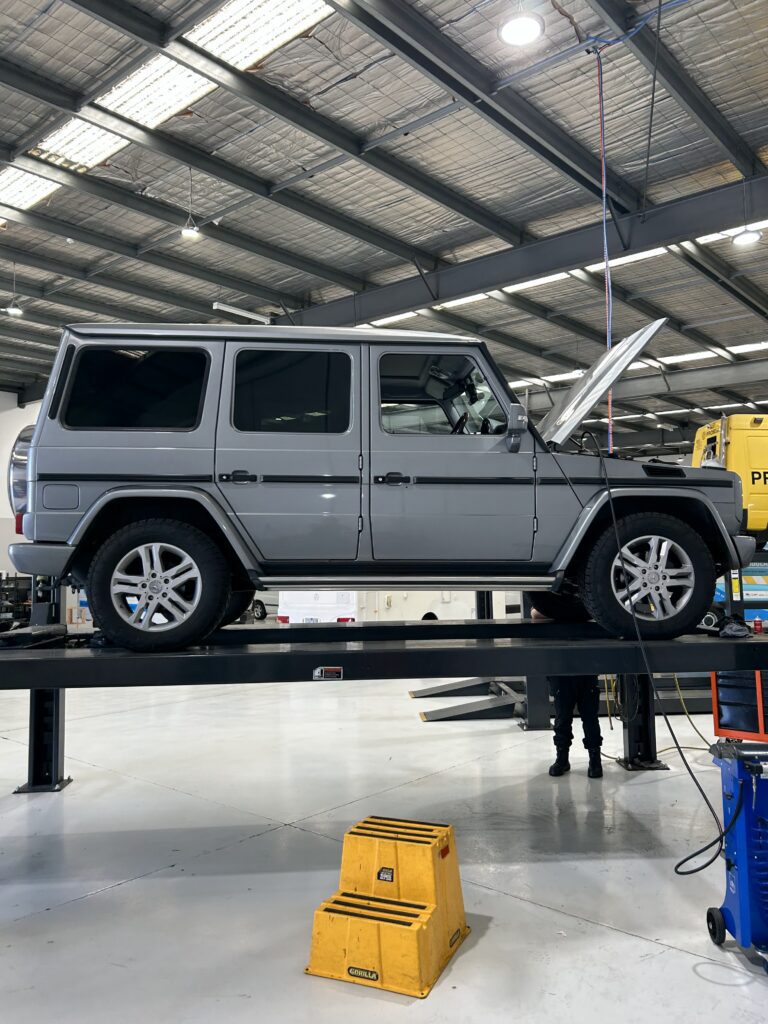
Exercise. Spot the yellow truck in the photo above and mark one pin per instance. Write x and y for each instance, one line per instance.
(740, 444)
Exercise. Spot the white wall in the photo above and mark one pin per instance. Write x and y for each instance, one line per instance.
(12, 420)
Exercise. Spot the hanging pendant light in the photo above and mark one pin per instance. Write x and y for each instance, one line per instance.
(13, 308)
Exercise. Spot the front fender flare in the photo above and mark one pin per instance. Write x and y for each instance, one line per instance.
(588, 514)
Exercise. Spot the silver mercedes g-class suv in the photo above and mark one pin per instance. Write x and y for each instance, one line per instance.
(175, 470)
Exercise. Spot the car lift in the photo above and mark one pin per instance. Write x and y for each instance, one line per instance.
(491, 649)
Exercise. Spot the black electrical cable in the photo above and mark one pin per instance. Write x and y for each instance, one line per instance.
(652, 108)
(720, 838)
(717, 842)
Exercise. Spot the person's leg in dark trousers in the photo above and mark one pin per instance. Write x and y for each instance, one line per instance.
(588, 701)
(565, 695)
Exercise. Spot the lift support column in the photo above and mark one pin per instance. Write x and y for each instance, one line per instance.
(45, 771)
(637, 693)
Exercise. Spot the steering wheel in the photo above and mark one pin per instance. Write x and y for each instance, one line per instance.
(461, 422)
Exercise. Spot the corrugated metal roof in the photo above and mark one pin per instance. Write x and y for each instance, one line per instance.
(347, 76)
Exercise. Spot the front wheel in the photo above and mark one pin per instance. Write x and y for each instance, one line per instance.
(662, 571)
(158, 585)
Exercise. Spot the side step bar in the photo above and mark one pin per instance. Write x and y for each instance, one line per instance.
(407, 582)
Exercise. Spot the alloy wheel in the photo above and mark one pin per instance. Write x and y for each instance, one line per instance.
(156, 587)
(654, 575)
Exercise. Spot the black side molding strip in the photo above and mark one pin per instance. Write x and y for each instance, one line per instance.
(513, 481)
(133, 478)
(270, 478)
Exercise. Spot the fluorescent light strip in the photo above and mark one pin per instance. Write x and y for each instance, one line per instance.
(754, 346)
(634, 258)
(461, 302)
(393, 319)
(241, 33)
(687, 357)
(536, 282)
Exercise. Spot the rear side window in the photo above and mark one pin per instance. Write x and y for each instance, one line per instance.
(136, 389)
(281, 391)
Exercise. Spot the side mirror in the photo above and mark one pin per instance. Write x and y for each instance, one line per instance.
(516, 427)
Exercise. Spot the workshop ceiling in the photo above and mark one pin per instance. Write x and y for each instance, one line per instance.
(364, 148)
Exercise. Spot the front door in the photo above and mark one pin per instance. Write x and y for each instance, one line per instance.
(289, 447)
(444, 487)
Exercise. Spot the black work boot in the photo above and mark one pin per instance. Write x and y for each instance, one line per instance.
(595, 770)
(562, 764)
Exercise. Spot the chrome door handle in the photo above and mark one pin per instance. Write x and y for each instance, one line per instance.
(238, 476)
(393, 479)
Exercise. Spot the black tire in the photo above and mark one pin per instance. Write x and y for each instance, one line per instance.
(558, 607)
(238, 604)
(259, 611)
(716, 925)
(212, 593)
(597, 591)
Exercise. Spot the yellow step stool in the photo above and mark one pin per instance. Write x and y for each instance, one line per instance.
(398, 916)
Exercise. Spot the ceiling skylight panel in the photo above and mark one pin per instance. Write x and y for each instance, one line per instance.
(22, 190)
(156, 91)
(244, 31)
(81, 144)
(241, 33)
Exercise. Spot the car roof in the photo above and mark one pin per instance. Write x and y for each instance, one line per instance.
(359, 335)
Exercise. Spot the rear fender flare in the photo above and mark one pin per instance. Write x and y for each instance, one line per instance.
(226, 524)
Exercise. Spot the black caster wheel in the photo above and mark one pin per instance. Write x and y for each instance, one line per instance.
(716, 925)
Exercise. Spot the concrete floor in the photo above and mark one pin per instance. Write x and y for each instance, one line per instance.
(175, 879)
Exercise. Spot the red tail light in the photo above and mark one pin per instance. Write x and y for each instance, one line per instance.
(19, 522)
(283, 619)
(345, 620)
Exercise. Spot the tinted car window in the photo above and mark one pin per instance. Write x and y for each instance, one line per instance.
(282, 391)
(136, 389)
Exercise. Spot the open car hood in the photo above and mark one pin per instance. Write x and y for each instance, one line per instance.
(575, 404)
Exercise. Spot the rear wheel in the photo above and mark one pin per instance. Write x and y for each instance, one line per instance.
(558, 607)
(663, 569)
(158, 585)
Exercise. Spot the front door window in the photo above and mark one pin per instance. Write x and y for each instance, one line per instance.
(437, 393)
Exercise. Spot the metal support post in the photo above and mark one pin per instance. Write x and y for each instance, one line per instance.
(484, 604)
(639, 726)
(537, 709)
(45, 773)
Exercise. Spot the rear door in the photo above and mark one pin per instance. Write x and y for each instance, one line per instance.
(289, 447)
(131, 411)
(437, 495)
